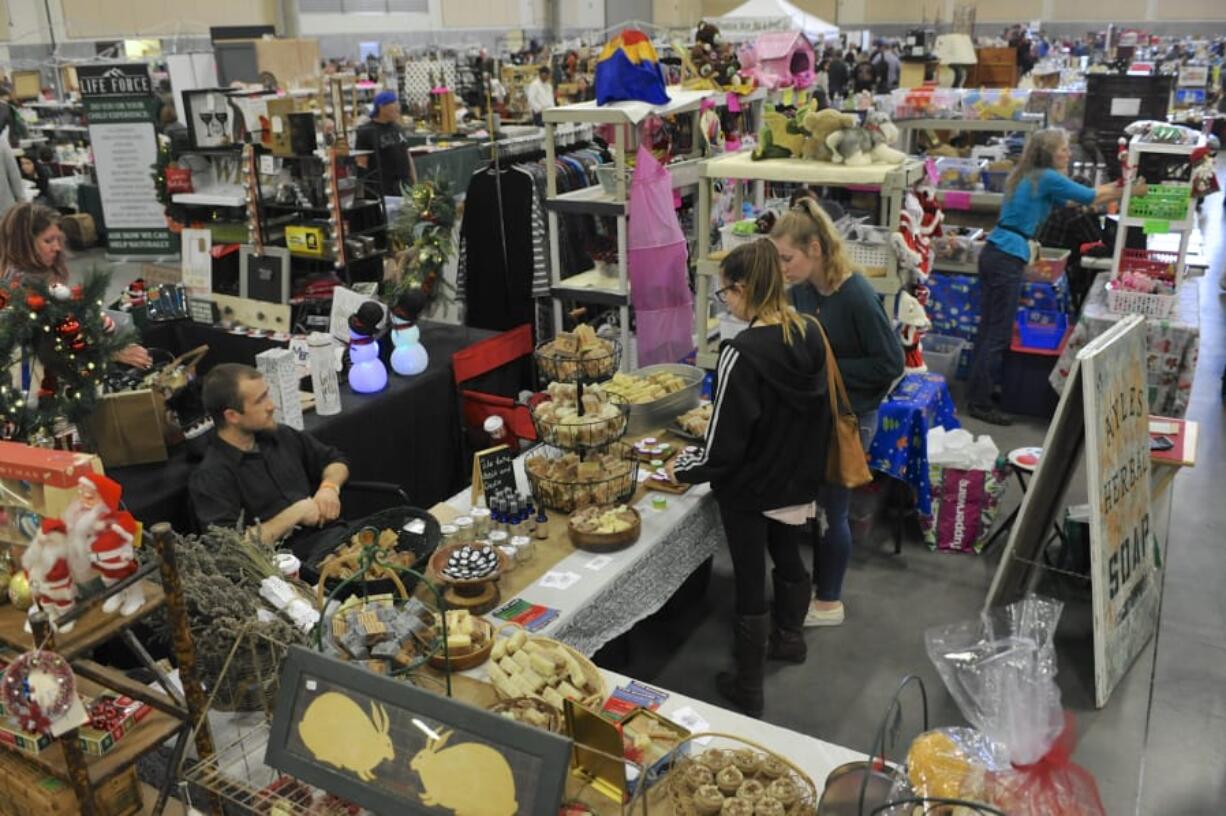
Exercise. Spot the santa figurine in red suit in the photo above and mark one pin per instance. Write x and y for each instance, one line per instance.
(102, 538)
(46, 563)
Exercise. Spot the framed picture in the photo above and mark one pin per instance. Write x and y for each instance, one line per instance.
(264, 276)
(212, 121)
(394, 748)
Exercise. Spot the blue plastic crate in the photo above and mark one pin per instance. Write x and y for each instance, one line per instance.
(1041, 329)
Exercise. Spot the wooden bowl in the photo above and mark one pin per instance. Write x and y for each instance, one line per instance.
(462, 661)
(606, 542)
(438, 563)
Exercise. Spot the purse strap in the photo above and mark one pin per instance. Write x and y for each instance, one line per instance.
(834, 378)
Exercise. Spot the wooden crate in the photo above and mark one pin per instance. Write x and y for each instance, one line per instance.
(29, 791)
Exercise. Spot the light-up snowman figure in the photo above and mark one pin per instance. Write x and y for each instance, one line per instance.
(367, 374)
(409, 357)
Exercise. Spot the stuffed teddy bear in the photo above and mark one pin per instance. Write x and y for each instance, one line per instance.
(712, 58)
(819, 125)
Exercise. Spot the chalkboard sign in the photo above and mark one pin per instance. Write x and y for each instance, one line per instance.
(493, 471)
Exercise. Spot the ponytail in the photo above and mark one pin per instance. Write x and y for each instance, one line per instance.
(807, 222)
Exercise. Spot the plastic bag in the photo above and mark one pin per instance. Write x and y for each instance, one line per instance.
(1001, 671)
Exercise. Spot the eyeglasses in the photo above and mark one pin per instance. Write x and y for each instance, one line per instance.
(720, 294)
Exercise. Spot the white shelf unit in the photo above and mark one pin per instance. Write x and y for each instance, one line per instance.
(1029, 122)
(1182, 227)
(590, 286)
(892, 180)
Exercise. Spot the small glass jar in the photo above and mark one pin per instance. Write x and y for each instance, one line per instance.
(464, 530)
(501, 542)
(481, 521)
(449, 533)
(525, 549)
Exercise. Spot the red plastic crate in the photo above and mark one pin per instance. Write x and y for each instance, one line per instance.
(1150, 262)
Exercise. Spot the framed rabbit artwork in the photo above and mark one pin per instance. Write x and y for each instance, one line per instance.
(391, 747)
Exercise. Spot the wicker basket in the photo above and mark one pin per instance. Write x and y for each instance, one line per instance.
(685, 775)
(595, 680)
(1122, 301)
(567, 496)
(870, 250)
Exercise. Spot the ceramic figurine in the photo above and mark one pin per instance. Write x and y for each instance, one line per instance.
(101, 540)
(46, 564)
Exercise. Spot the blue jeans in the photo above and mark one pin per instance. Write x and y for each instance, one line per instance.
(832, 551)
(1000, 287)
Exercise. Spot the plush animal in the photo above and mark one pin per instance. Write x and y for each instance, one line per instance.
(819, 125)
(781, 137)
(713, 62)
(884, 134)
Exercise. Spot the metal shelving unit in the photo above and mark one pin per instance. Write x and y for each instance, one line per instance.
(892, 180)
(591, 286)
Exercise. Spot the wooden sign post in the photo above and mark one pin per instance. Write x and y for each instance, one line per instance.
(1105, 405)
(493, 471)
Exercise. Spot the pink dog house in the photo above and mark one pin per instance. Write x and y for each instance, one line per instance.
(779, 59)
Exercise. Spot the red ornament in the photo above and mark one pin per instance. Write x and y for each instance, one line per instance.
(78, 292)
(36, 302)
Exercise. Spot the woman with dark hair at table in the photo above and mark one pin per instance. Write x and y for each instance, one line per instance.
(32, 246)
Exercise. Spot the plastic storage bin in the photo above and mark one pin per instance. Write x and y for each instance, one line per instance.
(1124, 301)
(994, 103)
(926, 103)
(1050, 266)
(730, 240)
(958, 244)
(869, 248)
(1151, 262)
(960, 174)
(942, 354)
(994, 180)
(1041, 329)
(606, 174)
(1163, 201)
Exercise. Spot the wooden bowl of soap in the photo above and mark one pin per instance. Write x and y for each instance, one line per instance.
(604, 529)
(460, 658)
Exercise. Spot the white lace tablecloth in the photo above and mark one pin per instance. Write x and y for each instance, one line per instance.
(1173, 345)
(617, 590)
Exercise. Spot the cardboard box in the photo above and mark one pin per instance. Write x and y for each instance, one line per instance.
(42, 466)
(27, 790)
(24, 741)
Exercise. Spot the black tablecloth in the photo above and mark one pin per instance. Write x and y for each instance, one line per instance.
(408, 434)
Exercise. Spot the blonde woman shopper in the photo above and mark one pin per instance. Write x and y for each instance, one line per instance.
(770, 424)
(869, 356)
(1038, 183)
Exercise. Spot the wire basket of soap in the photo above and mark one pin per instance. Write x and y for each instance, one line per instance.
(577, 356)
(567, 419)
(716, 773)
(567, 481)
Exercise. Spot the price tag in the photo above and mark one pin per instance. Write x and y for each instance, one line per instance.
(1156, 227)
(956, 200)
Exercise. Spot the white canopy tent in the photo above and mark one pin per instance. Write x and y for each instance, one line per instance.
(756, 16)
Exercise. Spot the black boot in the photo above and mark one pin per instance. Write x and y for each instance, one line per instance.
(744, 687)
(787, 640)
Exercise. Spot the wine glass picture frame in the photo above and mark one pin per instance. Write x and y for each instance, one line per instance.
(212, 119)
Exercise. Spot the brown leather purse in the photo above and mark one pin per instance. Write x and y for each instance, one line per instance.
(846, 462)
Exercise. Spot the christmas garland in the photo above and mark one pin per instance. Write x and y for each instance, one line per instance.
(422, 240)
(69, 332)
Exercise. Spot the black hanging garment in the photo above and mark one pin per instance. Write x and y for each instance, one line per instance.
(498, 288)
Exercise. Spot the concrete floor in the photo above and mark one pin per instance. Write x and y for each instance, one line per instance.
(1158, 747)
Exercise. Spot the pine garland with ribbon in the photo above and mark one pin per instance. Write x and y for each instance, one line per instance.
(422, 240)
(68, 331)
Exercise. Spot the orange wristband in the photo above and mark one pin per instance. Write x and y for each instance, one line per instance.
(334, 488)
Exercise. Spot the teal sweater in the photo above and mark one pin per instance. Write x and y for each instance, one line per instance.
(868, 351)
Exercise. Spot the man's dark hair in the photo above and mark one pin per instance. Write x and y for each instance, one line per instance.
(221, 390)
(543, 73)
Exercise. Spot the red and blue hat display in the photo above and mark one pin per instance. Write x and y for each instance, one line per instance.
(629, 70)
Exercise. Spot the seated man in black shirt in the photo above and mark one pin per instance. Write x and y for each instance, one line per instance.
(284, 479)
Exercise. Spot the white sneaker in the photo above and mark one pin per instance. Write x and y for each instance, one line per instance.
(823, 617)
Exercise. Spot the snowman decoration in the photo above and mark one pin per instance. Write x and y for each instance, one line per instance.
(409, 356)
(367, 374)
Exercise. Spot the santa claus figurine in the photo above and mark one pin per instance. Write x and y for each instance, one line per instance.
(102, 537)
(46, 563)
